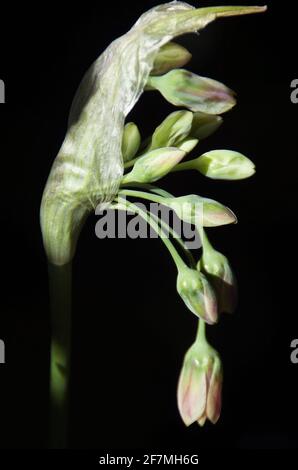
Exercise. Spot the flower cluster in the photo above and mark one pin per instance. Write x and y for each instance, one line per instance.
(208, 286)
(102, 156)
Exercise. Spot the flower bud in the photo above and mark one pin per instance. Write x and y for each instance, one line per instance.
(197, 294)
(174, 129)
(183, 88)
(170, 56)
(188, 144)
(131, 140)
(217, 267)
(199, 386)
(154, 165)
(204, 125)
(225, 165)
(201, 211)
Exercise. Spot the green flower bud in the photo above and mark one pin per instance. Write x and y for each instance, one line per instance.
(225, 165)
(197, 294)
(154, 165)
(170, 56)
(183, 88)
(200, 384)
(188, 145)
(204, 125)
(201, 211)
(217, 267)
(131, 141)
(174, 129)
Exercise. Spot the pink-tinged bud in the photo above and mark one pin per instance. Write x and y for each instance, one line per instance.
(197, 294)
(183, 88)
(201, 211)
(200, 384)
(217, 268)
(215, 214)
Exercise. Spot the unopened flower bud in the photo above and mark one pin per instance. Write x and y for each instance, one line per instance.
(170, 56)
(131, 140)
(174, 129)
(225, 165)
(204, 125)
(183, 88)
(217, 267)
(188, 144)
(201, 211)
(154, 165)
(197, 294)
(200, 384)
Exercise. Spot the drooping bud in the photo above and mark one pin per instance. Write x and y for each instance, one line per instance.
(183, 88)
(174, 129)
(197, 294)
(204, 125)
(218, 270)
(199, 386)
(170, 56)
(154, 165)
(131, 141)
(225, 165)
(200, 211)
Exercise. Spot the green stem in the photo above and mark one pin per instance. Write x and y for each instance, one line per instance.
(60, 299)
(175, 255)
(131, 163)
(206, 245)
(201, 333)
(141, 194)
(164, 194)
(153, 83)
(190, 165)
(148, 187)
(175, 235)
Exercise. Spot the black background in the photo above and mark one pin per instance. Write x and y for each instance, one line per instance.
(131, 329)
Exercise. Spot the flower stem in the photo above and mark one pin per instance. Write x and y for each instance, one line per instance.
(190, 165)
(149, 219)
(60, 299)
(169, 229)
(141, 194)
(201, 334)
(131, 163)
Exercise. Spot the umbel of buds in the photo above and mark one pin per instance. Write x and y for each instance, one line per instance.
(89, 171)
(200, 383)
